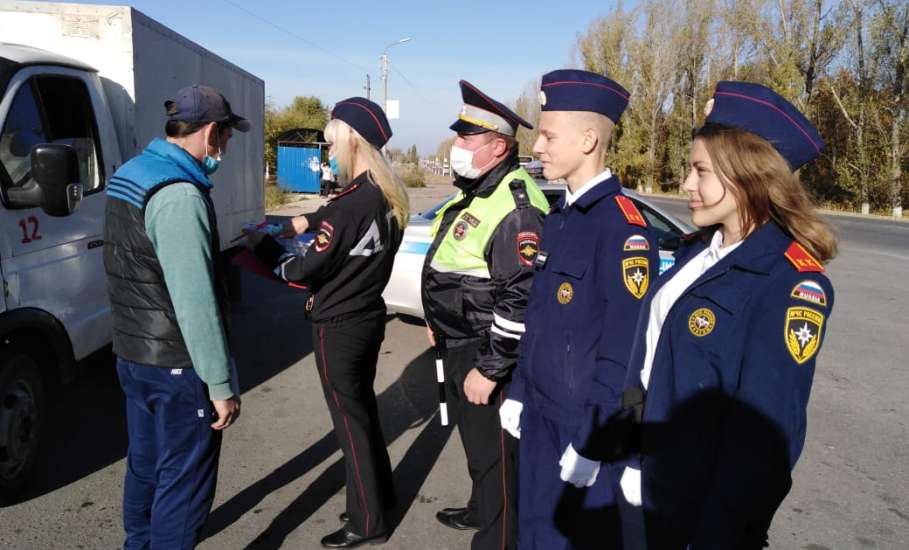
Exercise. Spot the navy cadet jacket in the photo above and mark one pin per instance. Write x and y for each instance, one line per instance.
(725, 409)
(596, 261)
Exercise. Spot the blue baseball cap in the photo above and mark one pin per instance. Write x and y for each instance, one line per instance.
(481, 113)
(760, 110)
(576, 90)
(201, 103)
(366, 117)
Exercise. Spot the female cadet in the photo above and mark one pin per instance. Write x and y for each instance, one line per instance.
(346, 268)
(727, 340)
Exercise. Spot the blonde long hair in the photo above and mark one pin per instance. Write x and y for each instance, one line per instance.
(346, 141)
(765, 187)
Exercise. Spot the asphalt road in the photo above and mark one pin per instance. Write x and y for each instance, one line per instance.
(281, 482)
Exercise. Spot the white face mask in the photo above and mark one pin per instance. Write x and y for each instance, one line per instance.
(462, 162)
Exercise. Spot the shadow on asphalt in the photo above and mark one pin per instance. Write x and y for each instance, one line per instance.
(85, 424)
(409, 402)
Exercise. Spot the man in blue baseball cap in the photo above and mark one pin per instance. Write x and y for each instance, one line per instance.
(169, 306)
(594, 267)
(476, 280)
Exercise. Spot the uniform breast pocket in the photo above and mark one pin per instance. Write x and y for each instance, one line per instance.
(708, 335)
(572, 290)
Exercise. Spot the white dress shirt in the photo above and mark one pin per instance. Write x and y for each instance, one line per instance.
(570, 197)
(659, 309)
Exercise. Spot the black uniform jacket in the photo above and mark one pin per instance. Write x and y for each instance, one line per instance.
(349, 262)
(462, 308)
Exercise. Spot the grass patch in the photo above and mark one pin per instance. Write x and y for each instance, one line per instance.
(412, 176)
(274, 197)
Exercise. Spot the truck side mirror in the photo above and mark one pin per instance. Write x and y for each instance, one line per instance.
(55, 185)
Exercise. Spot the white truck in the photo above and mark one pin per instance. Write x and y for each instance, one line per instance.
(83, 90)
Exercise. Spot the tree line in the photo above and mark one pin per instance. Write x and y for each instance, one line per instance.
(844, 64)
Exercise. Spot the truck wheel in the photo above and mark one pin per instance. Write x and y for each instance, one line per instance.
(21, 413)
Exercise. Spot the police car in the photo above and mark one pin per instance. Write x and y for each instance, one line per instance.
(402, 295)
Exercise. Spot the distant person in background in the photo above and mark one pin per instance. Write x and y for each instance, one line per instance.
(328, 180)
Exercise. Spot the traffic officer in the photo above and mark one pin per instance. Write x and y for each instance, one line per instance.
(346, 268)
(594, 267)
(725, 349)
(475, 282)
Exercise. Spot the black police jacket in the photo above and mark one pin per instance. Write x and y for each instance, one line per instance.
(349, 262)
(461, 308)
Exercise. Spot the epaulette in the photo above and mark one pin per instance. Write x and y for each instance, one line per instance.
(632, 214)
(802, 259)
(347, 190)
(519, 192)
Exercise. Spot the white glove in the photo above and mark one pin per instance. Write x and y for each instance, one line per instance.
(510, 417)
(577, 470)
(631, 485)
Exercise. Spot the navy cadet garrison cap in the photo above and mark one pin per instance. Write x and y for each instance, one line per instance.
(366, 117)
(481, 113)
(575, 90)
(201, 103)
(760, 110)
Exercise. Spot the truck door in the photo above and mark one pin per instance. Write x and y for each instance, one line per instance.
(55, 263)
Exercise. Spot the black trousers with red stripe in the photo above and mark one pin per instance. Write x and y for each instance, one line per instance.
(346, 355)
(491, 453)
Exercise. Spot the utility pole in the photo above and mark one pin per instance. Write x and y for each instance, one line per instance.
(384, 59)
(368, 88)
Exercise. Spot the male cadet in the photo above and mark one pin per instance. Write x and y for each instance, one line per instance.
(475, 283)
(595, 263)
(169, 309)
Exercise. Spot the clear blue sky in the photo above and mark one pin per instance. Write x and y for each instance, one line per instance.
(499, 45)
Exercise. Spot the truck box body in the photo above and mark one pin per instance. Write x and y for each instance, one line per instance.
(142, 64)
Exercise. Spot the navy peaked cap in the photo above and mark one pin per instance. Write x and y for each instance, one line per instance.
(760, 110)
(481, 113)
(366, 117)
(201, 103)
(576, 90)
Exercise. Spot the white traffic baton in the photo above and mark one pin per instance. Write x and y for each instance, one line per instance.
(440, 378)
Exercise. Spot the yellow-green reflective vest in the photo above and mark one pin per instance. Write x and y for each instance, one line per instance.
(463, 250)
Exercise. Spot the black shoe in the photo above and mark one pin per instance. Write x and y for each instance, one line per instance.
(345, 538)
(457, 518)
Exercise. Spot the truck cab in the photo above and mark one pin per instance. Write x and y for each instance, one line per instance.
(54, 309)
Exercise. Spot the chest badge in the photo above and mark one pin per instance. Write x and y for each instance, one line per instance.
(803, 333)
(460, 230)
(636, 243)
(565, 293)
(701, 322)
(636, 274)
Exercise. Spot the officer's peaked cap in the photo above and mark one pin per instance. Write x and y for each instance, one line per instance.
(481, 113)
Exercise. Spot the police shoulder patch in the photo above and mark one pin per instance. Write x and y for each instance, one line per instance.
(323, 236)
(636, 274)
(630, 211)
(528, 246)
(701, 322)
(809, 291)
(803, 333)
(802, 259)
(636, 243)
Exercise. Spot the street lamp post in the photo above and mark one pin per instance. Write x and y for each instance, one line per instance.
(385, 70)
